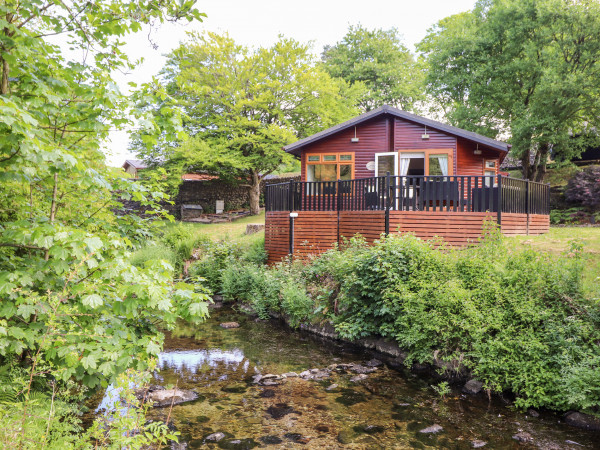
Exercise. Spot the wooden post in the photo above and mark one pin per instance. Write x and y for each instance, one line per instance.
(387, 204)
(338, 204)
(499, 202)
(291, 209)
(527, 204)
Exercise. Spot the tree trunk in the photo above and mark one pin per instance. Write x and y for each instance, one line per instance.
(526, 164)
(4, 88)
(542, 162)
(255, 195)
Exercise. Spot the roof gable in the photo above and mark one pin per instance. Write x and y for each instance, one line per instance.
(296, 147)
(135, 163)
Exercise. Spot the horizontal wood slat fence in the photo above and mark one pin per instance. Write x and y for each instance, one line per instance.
(305, 218)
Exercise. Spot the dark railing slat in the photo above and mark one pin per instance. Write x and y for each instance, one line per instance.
(412, 193)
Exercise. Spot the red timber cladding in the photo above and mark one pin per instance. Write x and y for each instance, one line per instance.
(516, 224)
(277, 225)
(373, 137)
(314, 232)
(369, 224)
(468, 162)
(407, 136)
(456, 228)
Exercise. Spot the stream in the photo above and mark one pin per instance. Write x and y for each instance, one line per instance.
(387, 409)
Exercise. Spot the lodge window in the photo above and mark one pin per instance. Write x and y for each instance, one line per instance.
(489, 170)
(330, 167)
(426, 162)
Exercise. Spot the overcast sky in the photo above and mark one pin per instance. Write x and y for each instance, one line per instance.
(259, 22)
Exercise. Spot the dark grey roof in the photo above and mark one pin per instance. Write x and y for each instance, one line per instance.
(478, 138)
(136, 163)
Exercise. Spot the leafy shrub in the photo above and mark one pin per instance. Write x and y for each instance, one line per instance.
(569, 216)
(255, 253)
(155, 252)
(238, 282)
(254, 285)
(584, 187)
(515, 317)
(214, 258)
(296, 303)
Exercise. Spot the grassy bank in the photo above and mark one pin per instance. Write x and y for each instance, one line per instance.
(559, 240)
(175, 242)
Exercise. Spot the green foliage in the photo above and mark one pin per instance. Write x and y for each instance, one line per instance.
(74, 312)
(515, 317)
(224, 108)
(378, 65)
(154, 252)
(526, 66)
(215, 256)
(124, 424)
(568, 216)
(442, 389)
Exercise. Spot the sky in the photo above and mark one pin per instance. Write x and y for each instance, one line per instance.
(258, 23)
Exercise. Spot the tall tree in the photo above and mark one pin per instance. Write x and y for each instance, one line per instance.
(238, 107)
(526, 68)
(380, 64)
(72, 308)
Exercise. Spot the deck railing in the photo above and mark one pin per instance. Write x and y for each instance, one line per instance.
(412, 193)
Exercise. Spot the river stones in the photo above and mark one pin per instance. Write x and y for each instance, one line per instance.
(472, 387)
(478, 444)
(228, 325)
(374, 363)
(345, 437)
(215, 437)
(523, 436)
(314, 374)
(358, 378)
(357, 368)
(238, 444)
(433, 429)
(297, 438)
(369, 429)
(350, 397)
(160, 397)
(280, 410)
(331, 387)
(267, 393)
(270, 440)
(235, 388)
(581, 420)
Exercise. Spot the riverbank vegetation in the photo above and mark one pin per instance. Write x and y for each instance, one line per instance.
(75, 314)
(519, 319)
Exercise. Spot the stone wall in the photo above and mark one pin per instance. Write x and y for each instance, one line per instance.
(206, 193)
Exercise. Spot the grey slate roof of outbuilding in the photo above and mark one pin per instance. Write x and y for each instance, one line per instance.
(469, 135)
(136, 163)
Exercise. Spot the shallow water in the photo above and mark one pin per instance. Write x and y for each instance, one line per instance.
(387, 410)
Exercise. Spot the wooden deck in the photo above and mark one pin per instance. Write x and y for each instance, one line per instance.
(318, 222)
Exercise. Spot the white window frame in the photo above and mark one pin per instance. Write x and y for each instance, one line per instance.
(394, 154)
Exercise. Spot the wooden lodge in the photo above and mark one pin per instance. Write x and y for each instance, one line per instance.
(392, 171)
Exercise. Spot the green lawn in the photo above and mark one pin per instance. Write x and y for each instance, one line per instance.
(230, 230)
(559, 240)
